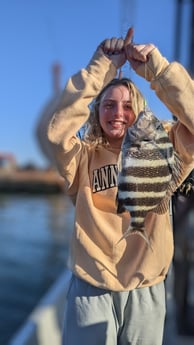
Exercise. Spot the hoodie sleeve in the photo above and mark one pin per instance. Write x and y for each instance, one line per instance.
(72, 111)
(175, 88)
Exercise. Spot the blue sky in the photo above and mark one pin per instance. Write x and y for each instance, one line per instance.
(35, 34)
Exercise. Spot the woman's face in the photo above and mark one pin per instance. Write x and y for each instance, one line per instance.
(115, 113)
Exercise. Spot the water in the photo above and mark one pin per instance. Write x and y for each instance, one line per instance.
(34, 242)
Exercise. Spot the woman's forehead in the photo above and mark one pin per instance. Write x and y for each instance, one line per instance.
(119, 92)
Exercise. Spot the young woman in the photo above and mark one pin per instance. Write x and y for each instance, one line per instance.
(116, 294)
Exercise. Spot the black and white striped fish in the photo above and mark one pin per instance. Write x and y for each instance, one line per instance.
(148, 168)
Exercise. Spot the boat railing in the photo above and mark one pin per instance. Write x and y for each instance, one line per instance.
(44, 324)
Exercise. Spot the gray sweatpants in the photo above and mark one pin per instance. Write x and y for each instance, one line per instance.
(95, 316)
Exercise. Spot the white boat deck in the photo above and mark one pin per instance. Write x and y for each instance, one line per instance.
(44, 325)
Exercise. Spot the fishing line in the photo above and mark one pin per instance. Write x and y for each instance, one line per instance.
(127, 19)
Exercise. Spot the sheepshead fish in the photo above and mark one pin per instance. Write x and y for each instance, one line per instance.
(148, 167)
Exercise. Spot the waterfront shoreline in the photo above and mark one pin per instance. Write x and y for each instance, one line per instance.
(31, 181)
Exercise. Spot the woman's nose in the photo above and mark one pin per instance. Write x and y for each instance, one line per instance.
(118, 109)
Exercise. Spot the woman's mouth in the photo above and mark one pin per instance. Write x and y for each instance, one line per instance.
(117, 124)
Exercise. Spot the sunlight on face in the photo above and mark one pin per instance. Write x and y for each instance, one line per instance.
(116, 113)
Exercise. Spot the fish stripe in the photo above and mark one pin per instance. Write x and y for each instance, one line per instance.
(139, 194)
(135, 208)
(153, 154)
(145, 171)
(140, 201)
(138, 161)
(137, 225)
(155, 187)
(145, 180)
(139, 214)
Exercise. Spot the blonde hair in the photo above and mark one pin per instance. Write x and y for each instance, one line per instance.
(93, 132)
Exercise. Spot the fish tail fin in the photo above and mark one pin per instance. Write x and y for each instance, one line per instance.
(125, 235)
(143, 234)
(132, 231)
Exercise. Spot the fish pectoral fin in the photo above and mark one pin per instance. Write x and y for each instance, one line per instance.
(163, 206)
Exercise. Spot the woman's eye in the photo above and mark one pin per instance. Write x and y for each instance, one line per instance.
(127, 107)
(108, 105)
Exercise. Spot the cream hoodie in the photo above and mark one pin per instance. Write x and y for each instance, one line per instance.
(90, 177)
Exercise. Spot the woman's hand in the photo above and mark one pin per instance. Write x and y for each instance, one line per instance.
(113, 48)
(136, 54)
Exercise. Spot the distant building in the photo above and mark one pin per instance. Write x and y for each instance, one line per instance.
(7, 161)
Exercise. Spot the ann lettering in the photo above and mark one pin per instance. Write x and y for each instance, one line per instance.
(104, 178)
